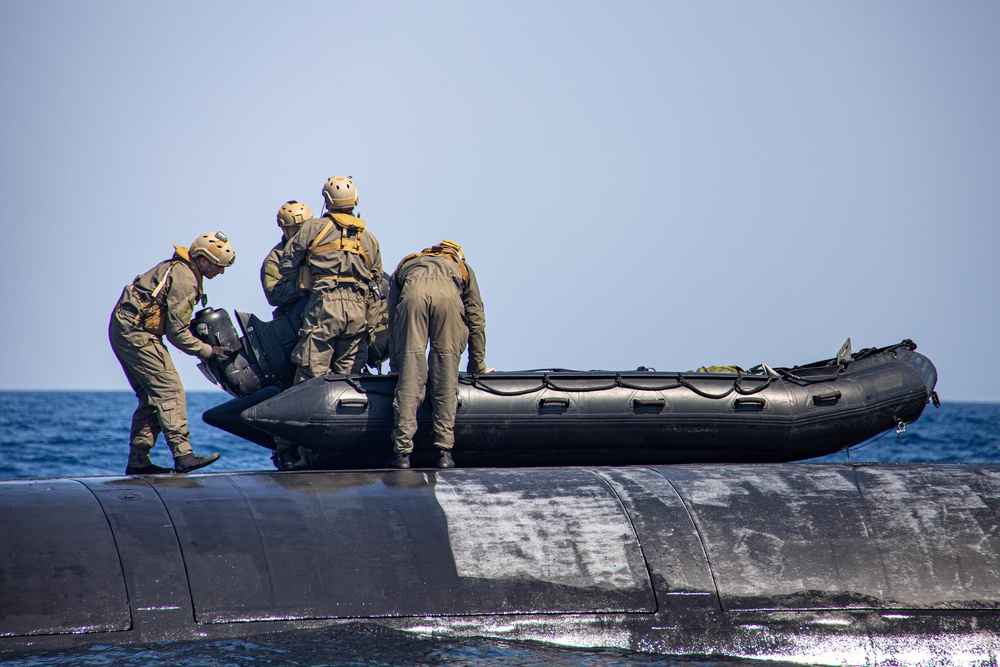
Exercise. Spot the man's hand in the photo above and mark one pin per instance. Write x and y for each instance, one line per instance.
(220, 353)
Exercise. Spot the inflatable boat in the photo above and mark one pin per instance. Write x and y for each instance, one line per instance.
(556, 417)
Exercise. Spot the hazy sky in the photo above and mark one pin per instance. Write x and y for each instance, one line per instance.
(667, 184)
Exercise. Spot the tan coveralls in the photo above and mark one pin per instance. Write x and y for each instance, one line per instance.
(282, 294)
(146, 361)
(429, 299)
(335, 327)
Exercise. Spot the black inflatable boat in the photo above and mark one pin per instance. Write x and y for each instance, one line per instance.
(558, 417)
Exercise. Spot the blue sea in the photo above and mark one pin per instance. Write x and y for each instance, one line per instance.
(74, 433)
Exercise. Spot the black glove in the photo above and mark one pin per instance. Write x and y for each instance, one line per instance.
(220, 353)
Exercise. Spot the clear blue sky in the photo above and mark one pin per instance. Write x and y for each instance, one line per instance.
(660, 183)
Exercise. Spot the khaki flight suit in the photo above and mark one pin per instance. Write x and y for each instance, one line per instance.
(282, 294)
(430, 300)
(335, 326)
(146, 361)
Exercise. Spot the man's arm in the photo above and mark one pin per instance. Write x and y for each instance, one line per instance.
(279, 292)
(182, 292)
(475, 320)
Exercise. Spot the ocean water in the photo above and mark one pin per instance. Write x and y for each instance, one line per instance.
(56, 433)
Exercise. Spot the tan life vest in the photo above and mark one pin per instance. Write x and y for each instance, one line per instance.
(351, 229)
(446, 248)
(152, 317)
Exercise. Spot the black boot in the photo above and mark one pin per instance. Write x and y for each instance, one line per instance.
(444, 458)
(401, 461)
(148, 469)
(192, 461)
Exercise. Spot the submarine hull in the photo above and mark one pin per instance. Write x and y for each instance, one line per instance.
(862, 562)
(604, 418)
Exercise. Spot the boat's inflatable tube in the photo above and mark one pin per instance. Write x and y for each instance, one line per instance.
(511, 419)
(856, 564)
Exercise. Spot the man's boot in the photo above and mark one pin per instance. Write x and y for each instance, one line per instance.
(189, 462)
(148, 469)
(444, 458)
(401, 461)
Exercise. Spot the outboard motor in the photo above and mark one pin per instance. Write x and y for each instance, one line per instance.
(260, 358)
(215, 328)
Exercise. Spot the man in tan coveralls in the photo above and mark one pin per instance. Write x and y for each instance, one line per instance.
(157, 303)
(283, 294)
(433, 296)
(339, 256)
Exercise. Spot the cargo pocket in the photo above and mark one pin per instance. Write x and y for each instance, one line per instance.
(137, 337)
(356, 317)
(173, 420)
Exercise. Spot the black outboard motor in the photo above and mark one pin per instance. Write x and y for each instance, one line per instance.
(260, 358)
(215, 328)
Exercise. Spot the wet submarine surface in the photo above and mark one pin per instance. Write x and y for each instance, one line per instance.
(808, 561)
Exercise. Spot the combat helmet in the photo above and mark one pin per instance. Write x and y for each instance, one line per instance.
(293, 213)
(215, 247)
(340, 193)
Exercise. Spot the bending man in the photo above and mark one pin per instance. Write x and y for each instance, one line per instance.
(433, 296)
(160, 303)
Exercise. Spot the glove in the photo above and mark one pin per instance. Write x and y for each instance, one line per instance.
(220, 353)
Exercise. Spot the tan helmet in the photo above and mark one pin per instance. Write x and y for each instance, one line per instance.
(293, 213)
(215, 247)
(340, 193)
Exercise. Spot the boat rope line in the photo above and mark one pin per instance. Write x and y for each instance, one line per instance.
(870, 441)
(837, 369)
(547, 382)
(679, 379)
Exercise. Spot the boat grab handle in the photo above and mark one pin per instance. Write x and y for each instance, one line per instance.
(828, 397)
(352, 402)
(561, 401)
(649, 402)
(752, 402)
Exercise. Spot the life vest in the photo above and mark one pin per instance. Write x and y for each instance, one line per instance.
(446, 248)
(152, 316)
(351, 229)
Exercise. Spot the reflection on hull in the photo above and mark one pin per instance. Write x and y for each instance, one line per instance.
(812, 562)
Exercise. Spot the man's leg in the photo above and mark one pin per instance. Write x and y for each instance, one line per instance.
(410, 340)
(443, 380)
(138, 365)
(350, 348)
(314, 350)
(448, 335)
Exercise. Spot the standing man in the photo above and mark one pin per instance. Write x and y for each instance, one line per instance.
(433, 296)
(283, 294)
(334, 258)
(160, 303)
